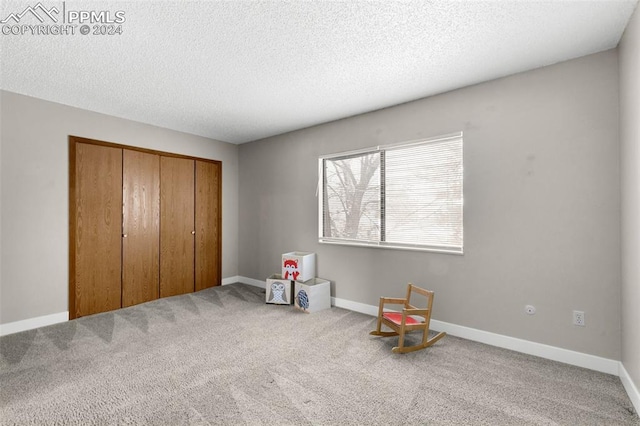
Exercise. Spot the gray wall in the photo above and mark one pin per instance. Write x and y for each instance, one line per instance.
(542, 205)
(629, 51)
(34, 182)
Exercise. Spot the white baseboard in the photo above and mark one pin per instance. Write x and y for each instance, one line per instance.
(567, 356)
(31, 323)
(553, 353)
(253, 282)
(355, 306)
(630, 387)
(230, 280)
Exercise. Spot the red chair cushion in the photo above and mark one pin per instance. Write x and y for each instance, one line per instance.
(396, 317)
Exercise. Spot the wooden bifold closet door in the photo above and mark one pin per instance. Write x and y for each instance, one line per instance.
(208, 259)
(142, 224)
(140, 227)
(95, 232)
(177, 229)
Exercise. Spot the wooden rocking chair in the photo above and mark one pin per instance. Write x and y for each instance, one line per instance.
(410, 319)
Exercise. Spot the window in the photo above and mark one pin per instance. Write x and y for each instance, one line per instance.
(402, 196)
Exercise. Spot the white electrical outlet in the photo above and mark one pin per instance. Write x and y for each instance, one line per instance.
(578, 318)
(530, 309)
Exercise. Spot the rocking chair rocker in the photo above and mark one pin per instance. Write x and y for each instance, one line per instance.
(410, 319)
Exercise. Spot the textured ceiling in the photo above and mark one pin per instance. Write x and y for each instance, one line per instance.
(238, 71)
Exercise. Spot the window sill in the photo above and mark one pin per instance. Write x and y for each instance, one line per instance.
(459, 252)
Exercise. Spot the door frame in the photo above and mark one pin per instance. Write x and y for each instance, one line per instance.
(73, 141)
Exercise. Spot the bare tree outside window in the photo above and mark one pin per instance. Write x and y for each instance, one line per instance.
(352, 197)
(407, 196)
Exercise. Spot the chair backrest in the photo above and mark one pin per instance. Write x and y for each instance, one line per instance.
(428, 294)
(408, 319)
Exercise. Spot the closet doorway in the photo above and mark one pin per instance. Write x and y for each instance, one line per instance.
(143, 224)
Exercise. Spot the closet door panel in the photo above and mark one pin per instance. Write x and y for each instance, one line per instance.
(176, 226)
(207, 217)
(141, 227)
(98, 229)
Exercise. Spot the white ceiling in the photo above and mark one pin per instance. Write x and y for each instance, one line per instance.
(242, 70)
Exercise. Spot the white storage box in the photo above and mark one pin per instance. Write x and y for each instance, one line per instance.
(312, 295)
(298, 266)
(278, 290)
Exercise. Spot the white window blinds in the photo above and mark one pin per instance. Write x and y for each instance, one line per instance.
(405, 196)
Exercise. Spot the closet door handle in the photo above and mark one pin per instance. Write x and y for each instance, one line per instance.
(193, 232)
(124, 235)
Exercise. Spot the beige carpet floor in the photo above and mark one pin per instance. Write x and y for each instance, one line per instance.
(222, 356)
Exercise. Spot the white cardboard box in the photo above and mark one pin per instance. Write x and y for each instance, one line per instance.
(278, 291)
(298, 266)
(312, 295)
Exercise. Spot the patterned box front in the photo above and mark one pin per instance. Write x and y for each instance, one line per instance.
(278, 290)
(298, 266)
(312, 295)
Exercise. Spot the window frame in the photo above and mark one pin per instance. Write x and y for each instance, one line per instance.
(384, 244)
